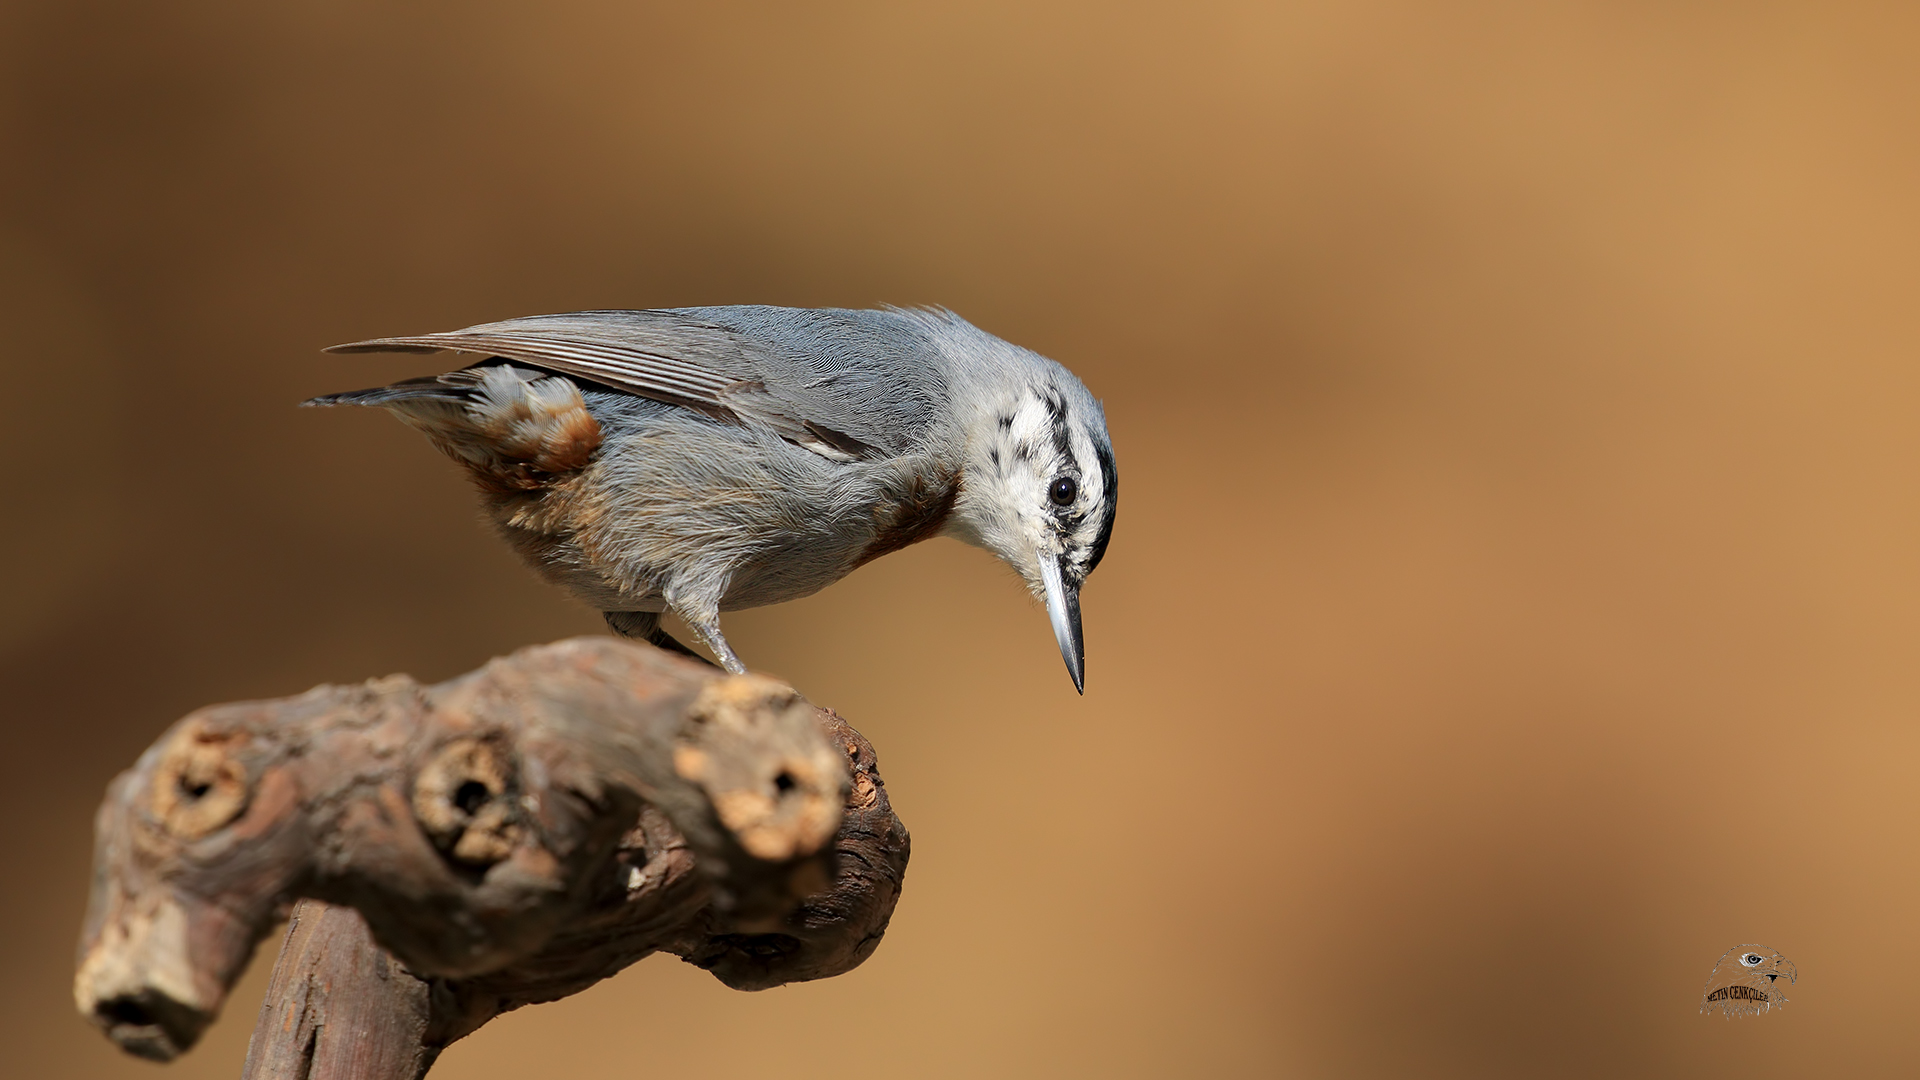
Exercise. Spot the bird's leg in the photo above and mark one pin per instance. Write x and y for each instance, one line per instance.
(645, 626)
(706, 626)
(702, 616)
(694, 595)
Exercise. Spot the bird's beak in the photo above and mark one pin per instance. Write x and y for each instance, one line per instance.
(1063, 608)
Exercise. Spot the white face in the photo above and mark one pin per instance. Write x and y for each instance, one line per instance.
(1040, 483)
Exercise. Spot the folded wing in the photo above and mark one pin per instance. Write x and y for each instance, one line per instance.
(682, 358)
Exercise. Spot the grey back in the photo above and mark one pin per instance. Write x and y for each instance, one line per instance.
(875, 375)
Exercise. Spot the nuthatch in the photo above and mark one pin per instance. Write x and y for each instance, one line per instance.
(700, 460)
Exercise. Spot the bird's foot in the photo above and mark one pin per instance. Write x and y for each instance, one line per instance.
(645, 626)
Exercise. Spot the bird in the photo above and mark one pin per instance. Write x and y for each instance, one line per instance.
(707, 459)
(1746, 981)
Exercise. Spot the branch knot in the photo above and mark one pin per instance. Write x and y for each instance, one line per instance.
(201, 784)
(464, 798)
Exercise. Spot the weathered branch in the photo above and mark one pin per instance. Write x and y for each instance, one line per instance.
(511, 836)
(340, 1007)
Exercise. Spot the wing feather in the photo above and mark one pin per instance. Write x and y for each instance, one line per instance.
(620, 367)
(842, 384)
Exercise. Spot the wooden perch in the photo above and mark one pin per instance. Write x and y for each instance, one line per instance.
(509, 837)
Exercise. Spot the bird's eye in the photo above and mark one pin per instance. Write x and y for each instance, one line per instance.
(1063, 491)
(1750, 959)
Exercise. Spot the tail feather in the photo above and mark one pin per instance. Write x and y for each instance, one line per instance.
(453, 386)
(515, 429)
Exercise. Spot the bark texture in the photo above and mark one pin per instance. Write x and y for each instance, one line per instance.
(452, 852)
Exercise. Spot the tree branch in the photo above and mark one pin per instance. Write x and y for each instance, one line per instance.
(509, 837)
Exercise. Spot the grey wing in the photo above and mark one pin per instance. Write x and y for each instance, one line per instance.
(844, 384)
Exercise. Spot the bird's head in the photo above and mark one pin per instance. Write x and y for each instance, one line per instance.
(1746, 982)
(1039, 490)
(1764, 962)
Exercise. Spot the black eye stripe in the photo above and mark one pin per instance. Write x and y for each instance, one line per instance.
(1062, 432)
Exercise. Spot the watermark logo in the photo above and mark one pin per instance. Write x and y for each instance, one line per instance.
(1748, 981)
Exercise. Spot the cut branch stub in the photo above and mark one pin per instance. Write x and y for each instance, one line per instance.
(200, 784)
(157, 957)
(833, 930)
(752, 747)
(464, 798)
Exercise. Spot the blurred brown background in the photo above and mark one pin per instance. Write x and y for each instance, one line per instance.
(1516, 592)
